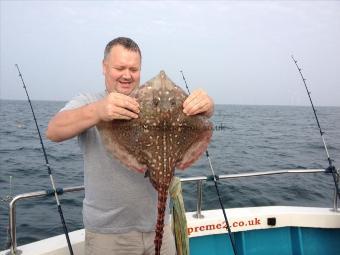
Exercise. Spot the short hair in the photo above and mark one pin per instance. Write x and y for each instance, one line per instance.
(126, 42)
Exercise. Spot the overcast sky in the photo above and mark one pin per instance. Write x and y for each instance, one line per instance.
(238, 51)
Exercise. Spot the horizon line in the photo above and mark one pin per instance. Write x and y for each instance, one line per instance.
(236, 104)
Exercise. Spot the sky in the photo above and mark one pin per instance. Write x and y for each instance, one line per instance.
(238, 51)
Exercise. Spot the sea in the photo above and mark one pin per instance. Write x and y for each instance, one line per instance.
(246, 138)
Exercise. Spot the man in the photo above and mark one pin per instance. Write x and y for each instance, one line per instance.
(119, 209)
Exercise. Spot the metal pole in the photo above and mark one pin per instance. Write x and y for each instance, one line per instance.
(335, 198)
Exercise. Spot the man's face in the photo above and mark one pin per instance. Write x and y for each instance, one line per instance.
(121, 69)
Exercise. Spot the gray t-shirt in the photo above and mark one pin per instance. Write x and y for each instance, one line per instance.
(117, 200)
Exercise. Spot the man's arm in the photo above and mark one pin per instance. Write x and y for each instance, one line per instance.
(69, 123)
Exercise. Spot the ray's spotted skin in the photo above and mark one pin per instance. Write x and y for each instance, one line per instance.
(159, 140)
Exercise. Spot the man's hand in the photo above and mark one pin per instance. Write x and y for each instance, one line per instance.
(117, 106)
(198, 102)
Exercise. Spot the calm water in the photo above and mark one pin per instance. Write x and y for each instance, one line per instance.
(254, 138)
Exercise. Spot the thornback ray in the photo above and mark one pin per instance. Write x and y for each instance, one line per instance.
(159, 140)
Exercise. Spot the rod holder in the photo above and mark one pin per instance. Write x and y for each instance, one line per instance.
(198, 214)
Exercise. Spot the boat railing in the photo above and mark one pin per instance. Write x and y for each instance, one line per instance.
(197, 179)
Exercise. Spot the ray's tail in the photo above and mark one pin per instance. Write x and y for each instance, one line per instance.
(162, 196)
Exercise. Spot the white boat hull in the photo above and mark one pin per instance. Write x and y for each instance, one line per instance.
(240, 219)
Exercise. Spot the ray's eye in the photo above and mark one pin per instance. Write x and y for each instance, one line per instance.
(172, 102)
(155, 101)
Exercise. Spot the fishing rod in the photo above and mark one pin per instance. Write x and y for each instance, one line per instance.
(48, 167)
(214, 178)
(331, 168)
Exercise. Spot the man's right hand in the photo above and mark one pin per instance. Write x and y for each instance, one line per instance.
(117, 106)
(69, 123)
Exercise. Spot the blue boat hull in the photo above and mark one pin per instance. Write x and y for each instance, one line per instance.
(278, 241)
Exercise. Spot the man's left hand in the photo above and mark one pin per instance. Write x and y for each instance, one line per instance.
(198, 102)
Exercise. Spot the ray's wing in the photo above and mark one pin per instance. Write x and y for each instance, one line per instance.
(200, 132)
(120, 142)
